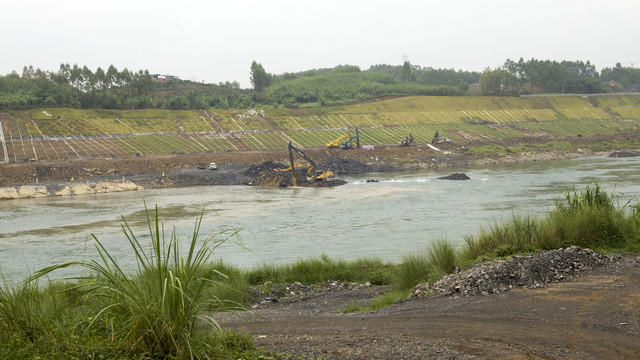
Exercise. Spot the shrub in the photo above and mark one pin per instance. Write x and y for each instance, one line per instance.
(380, 277)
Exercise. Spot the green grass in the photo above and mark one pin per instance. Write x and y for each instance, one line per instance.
(379, 302)
(161, 311)
(320, 270)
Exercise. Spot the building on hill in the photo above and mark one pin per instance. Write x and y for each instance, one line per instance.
(161, 77)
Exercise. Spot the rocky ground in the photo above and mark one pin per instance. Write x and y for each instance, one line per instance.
(571, 303)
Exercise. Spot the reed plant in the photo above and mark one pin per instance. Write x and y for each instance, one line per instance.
(431, 263)
(519, 234)
(441, 255)
(161, 310)
(591, 218)
(414, 269)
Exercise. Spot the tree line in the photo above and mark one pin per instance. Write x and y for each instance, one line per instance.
(565, 77)
(80, 87)
(336, 86)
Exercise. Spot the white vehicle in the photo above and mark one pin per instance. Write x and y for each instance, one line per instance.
(213, 166)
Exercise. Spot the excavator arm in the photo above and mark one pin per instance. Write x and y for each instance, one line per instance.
(313, 171)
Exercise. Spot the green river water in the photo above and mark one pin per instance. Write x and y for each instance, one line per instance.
(386, 219)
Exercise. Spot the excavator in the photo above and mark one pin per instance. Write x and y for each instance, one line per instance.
(336, 142)
(408, 141)
(345, 145)
(312, 170)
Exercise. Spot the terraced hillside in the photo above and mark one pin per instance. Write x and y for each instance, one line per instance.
(59, 134)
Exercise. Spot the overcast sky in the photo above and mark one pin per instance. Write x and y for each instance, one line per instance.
(214, 41)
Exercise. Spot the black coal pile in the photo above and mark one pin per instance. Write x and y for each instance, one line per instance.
(623, 153)
(531, 271)
(455, 176)
(270, 178)
(256, 169)
(340, 166)
(345, 166)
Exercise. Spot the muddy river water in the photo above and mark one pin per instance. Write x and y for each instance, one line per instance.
(400, 213)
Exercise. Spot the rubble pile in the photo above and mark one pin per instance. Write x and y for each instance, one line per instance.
(270, 178)
(455, 176)
(256, 169)
(623, 153)
(276, 293)
(345, 166)
(532, 271)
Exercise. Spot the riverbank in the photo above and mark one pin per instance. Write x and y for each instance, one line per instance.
(243, 167)
(36, 191)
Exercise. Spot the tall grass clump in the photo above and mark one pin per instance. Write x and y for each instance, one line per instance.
(431, 263)
(161, 310)
(520, 234)
(28, 311)
(441, 255)
(590, 218)
(415, 268)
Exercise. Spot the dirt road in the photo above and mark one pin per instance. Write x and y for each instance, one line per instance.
(594, 316)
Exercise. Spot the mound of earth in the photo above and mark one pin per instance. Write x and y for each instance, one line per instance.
(256, 169)
(270, 178)
(455, 176)
(623, 153)
(531, 271)
(342, 165)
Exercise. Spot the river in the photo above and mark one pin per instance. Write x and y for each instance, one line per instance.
(400, 213)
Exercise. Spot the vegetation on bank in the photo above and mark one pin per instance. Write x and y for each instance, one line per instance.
(168, 308)
(602, 145)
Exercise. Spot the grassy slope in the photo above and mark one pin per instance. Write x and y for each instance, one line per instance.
(384, 122)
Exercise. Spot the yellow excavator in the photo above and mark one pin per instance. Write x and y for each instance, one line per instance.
(312, 170)
(336, 142)
(345, 145)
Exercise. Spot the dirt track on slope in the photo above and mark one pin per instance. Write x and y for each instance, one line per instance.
(594, 316)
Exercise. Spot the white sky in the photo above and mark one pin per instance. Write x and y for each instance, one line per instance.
(215, 41)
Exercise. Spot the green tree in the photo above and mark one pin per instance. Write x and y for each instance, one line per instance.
(497, 82)
(259, 77)
(406, 72)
